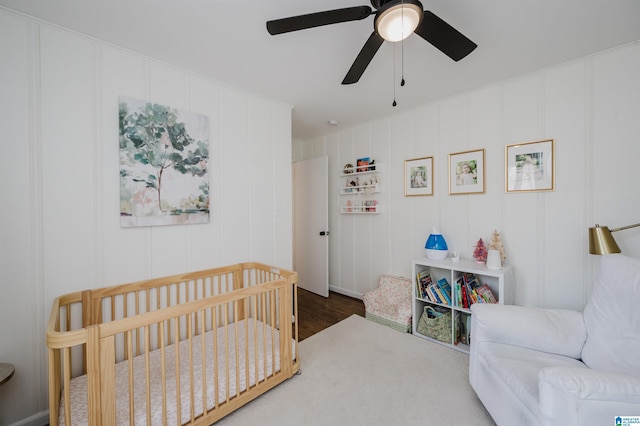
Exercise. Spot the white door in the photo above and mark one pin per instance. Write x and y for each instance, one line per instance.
(311, 224)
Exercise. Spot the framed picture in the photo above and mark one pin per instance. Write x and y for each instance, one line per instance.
(530, 166)
(418, 176)
(163, 180)
(466, 172)
(362, 164)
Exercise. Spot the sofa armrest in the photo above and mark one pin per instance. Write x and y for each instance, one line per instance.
(557, 331)
(584, 396)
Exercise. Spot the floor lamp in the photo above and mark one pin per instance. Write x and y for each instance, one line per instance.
(601, 241)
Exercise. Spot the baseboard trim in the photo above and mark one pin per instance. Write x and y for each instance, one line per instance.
(38, 419)
(346, 292)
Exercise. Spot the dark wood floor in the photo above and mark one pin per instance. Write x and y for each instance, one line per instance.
(315, 313)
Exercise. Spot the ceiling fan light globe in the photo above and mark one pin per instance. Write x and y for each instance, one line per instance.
(398, 22)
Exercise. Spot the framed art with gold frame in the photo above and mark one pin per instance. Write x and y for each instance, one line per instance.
(418, 176)
(466, 172)
(530, 166)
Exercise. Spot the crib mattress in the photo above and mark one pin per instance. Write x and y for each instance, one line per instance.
(215, 381)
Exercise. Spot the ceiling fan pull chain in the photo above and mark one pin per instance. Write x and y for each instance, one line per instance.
(394, 76)
(402, 49)
(402, 61)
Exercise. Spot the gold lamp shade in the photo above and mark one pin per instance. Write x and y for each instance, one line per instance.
(601, 241)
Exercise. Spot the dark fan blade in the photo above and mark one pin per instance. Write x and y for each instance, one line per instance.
(443, 36)
(364, 57)
(302, 22)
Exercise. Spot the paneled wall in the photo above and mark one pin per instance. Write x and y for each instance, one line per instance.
(590, 107)
(60, 185)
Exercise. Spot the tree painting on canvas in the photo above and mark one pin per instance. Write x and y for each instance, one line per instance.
(164, 154)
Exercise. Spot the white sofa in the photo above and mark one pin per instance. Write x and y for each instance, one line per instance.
(533, 366)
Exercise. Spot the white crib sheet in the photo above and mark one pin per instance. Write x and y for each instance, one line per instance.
(78, 385)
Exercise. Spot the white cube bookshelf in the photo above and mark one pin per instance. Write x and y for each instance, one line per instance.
(500, 281)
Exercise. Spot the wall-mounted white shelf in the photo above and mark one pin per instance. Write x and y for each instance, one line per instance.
(360, 209)
(359, 189)
(350, 171)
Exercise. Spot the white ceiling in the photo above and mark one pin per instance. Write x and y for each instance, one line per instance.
(227, 40)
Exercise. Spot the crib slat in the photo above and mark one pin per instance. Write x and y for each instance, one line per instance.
(54, 383)
(216, 383)
(168, 295)
(247, 358)
(191, 377)
(93, 375)
(128, 338)
(137, 312)
(147, 369)
(163, 375)
(264, 330)
(178, 390)
(235, 344)
(285, 331)
(273, 325)
(158, 307)
(107, 380)
(66, 355)
(255, 339)
(203, 352)
(226, 350)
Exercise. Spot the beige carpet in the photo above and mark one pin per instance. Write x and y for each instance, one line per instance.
(361, 373)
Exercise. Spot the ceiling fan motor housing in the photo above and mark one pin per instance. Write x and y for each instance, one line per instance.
(396, 19)
(377, 4)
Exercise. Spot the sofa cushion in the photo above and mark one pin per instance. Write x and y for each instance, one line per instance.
(612, 317)
(557, 331)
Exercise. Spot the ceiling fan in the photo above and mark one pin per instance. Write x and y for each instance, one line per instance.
(395, 20)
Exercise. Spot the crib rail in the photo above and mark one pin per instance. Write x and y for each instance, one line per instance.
(236, 323)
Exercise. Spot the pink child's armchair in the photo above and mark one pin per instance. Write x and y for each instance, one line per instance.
(390, 303)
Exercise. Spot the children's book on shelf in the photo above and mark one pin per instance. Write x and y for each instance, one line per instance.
(469, 290)
(485, 294)
(433, 293)
(465, 329)
(423, 280)
(439, 294)
(465, 297)
(445, 289)
(458, 327)
(459, 283)
(462, 328)
(429, 290)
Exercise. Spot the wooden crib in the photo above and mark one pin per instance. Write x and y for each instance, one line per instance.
(184, 349)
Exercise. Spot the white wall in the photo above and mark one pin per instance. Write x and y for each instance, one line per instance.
(590, 107)
(60, 188)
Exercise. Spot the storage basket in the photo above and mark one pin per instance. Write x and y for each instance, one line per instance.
(435, 324)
